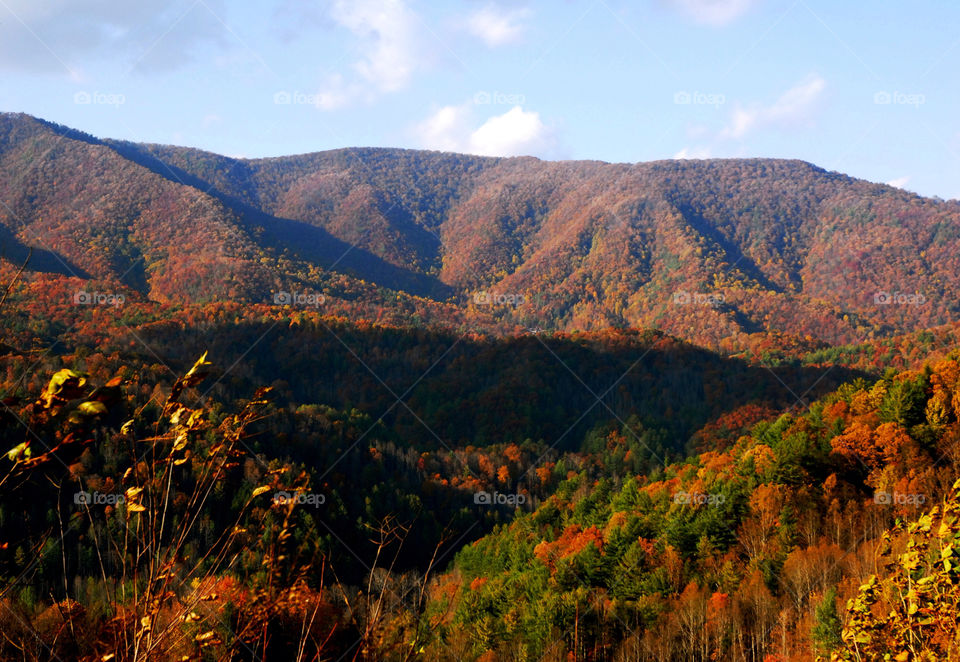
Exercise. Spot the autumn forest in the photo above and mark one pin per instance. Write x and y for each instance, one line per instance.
(383, 404)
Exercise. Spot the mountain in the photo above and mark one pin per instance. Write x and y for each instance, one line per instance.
(452, 407)
(709, 250)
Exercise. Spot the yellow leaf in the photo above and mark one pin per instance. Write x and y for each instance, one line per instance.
(206, 635)
(19, 451)
(92, 408)
(135, 508)
(260, 490)
(201, 362)
(910, 560)
(175, 416)
(196, 374)
(63, 380)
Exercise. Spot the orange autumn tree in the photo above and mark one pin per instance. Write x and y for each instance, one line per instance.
(874, 447)
(572, 541)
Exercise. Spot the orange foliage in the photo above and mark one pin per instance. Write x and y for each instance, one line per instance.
(572, 541)
(875, 448)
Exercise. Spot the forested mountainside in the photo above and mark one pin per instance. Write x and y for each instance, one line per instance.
(171, 504)
(380, 404)
(785, 544)
(711, 251)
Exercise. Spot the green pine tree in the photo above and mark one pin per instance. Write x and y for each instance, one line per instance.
(827, 626)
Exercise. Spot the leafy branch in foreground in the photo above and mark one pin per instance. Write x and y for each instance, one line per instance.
(912, 611)
(164, 570)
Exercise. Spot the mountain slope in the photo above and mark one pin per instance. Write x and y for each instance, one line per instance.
(742, 552)
(708, 250)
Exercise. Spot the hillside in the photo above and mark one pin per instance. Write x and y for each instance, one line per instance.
(459, 388)
(749, 552)
(710, 251)
(619, 548)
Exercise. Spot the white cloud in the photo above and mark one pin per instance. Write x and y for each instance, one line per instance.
(693, 153)
(497, 26)
(447, 130)
(514, 133)
(388, 37)
(59, 35)
(793, 107)
(713, 12)
(899, 182)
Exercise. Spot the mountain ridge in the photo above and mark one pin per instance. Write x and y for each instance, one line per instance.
(710, 250)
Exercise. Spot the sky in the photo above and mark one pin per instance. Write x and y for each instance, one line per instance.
(868, 89)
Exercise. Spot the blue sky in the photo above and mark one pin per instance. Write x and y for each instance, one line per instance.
(870, 89)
